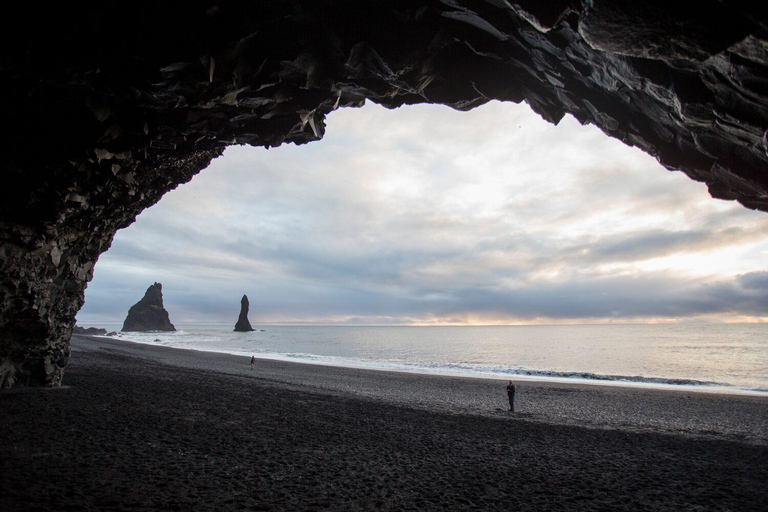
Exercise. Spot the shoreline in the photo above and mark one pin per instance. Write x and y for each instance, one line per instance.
(713, 415)
(145, 428)
(714, 388)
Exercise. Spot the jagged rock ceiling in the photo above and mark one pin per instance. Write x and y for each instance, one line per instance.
(110, 106)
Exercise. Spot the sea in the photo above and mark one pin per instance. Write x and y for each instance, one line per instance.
(723, 358)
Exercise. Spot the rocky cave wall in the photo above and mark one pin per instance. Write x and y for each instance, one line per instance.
(107, 107)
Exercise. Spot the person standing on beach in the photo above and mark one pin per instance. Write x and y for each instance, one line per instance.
(253, 362)
(511, 395)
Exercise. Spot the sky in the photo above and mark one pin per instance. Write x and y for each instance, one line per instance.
(428, 216)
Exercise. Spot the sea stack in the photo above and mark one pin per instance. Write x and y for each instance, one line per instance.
(243, 325)
(149, 314)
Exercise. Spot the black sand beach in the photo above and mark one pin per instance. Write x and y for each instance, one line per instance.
(141, 427)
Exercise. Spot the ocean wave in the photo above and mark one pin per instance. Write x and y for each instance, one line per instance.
(469, 369)
(464, 369)
(579, 375)
(621, 378)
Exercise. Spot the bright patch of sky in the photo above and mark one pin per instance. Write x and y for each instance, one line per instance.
(425, 215)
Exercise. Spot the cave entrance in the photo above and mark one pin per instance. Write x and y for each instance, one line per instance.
(126, 119)
(425, 215)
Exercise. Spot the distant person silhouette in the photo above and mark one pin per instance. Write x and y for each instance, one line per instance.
(511, 395)
(253, 362)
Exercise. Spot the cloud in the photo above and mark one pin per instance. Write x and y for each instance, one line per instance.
(757, 281)
(429, 215)
(647, 244)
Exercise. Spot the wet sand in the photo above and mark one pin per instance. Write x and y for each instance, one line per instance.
(142, 427)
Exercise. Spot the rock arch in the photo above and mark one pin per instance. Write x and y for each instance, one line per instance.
(110, 106)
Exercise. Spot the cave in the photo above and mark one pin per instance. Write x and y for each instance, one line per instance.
(113, 105)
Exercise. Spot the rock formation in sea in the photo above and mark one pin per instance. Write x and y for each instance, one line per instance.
(243, 325)
(89, 330)
(149, 314)
(98, 130)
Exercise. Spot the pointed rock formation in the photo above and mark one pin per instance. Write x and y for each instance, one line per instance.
(243, 325)
(149, 314)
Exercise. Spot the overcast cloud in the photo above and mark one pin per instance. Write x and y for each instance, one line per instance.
(427, 215)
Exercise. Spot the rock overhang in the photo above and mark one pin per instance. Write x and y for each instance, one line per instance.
(110, 106)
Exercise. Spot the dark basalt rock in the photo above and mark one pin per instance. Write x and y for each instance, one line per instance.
(243, 325)
(111, 105)
(89, 331)
(149, 314)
